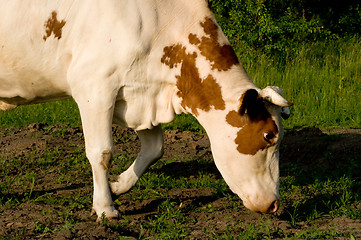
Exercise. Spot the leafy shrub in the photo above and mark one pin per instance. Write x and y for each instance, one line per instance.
(280, 26)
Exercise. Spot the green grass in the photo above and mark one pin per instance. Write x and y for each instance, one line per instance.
(65, 111)
(323, 80)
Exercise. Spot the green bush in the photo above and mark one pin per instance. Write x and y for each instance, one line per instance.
(280, 26)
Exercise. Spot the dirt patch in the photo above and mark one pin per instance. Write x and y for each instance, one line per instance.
(27, 214)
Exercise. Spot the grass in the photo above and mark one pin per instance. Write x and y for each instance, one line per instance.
(322, 80)
(65, 111)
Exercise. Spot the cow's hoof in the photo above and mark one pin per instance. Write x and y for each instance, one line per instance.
(108, 215)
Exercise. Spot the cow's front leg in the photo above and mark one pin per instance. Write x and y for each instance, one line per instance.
(96, 115)
(151, 150)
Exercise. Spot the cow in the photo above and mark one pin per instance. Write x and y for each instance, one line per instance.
(138, 63)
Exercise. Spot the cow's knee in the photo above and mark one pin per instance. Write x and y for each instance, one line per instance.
(106, 157)
(100, 157)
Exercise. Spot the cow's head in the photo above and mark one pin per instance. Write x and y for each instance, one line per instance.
(245, 145)
(244, 133)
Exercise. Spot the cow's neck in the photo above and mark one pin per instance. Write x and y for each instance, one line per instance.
(208, 74)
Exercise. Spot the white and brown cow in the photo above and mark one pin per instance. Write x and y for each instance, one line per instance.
(138, 63)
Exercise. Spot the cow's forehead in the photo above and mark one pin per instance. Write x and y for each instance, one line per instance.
(199, 93)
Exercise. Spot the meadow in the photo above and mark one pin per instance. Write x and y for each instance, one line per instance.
(323, 80)
(46, 183)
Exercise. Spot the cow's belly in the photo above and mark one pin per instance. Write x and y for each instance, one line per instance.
(30, 76)
(28, 87)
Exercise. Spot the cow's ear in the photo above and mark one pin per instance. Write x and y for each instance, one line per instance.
(249, 102)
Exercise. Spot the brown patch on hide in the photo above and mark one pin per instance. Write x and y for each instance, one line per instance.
(254, 124)
(196, 93)
(221, 58)
(53, 26)
(235, 120)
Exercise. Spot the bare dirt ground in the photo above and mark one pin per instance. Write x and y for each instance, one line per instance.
(305, 149)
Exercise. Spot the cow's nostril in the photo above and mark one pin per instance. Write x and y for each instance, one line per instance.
(273, 207)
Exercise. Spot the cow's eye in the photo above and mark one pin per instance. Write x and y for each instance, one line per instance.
(268, 137)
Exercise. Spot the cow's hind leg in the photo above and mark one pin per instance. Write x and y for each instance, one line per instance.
(96, 114)
(151, 150)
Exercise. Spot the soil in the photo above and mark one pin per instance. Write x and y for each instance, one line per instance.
(304, 148)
